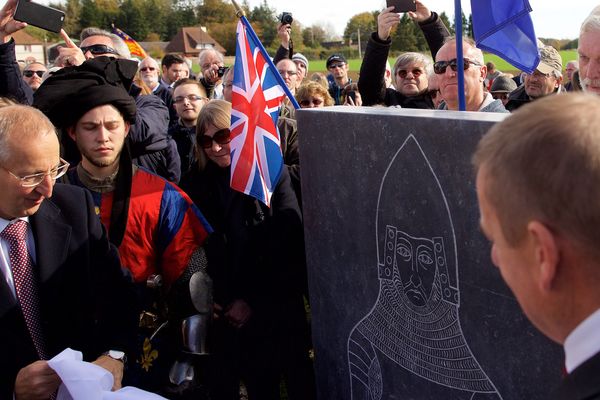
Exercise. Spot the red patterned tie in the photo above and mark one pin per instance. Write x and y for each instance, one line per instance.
(25, 281)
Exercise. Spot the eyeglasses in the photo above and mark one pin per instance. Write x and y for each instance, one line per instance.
(29, 74)
(290, 73)
(35, 179)
(439, 67)
(221, 137)
(191, 98)
(333, 66)
(97, 49)
(314, 101)
(416, 72)
(433, 93)
(147, 69)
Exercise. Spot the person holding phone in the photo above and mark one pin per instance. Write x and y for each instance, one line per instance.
(409, 72)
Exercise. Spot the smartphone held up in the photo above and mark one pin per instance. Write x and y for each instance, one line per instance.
(401, 6)
(44, 17)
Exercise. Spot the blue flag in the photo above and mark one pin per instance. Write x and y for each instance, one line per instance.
(505, 28)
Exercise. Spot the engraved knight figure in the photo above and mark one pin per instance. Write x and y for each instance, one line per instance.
(414, 323)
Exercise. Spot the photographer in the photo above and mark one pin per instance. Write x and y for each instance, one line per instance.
(409, 72)
(212, 67)
(284, 32)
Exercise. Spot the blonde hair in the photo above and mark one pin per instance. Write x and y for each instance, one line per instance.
(215, 113)
(309, 89)
(544, 165)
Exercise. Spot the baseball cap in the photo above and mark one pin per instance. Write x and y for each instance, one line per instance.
(335, 58)
(550, 60)
(300, 57)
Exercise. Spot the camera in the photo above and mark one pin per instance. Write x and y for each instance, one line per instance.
(286, 18)
(221, 71)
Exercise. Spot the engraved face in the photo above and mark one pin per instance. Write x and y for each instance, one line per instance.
(415, 260)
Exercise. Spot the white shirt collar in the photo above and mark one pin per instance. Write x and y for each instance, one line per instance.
(5, 222)
(583, 342)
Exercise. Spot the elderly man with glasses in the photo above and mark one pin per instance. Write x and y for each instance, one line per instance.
(445, 67)
(61, 283)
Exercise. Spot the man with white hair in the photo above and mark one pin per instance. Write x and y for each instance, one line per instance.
(150, 74)
(589, 52)
(212, 67)
(475, 71)
(570, 69)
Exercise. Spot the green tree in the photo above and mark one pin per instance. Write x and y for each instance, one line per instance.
(404, 37)
(264, 22)
(465, 24)
(364, 22)
(90, 15)
(314, 35)
(470, 31)
(131, 19)
(446, 21)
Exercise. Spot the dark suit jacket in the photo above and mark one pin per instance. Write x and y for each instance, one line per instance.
(583, 383)
(86, 302)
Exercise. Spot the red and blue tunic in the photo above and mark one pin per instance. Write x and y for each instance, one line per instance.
(163, 229)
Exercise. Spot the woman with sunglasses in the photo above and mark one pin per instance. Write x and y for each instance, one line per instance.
(313, 95)
(254, 257)
(410, 70)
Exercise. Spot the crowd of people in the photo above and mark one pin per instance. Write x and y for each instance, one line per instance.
(121, 237)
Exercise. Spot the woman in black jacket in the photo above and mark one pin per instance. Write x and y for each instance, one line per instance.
(255, 260)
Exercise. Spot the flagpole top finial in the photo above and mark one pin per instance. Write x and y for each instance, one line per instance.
(238, 10)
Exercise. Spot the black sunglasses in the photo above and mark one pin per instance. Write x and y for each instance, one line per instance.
(97, 49)
(29, 74)
(439, 67)
(222, 137)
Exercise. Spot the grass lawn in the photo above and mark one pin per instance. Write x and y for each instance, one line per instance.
(319, 65)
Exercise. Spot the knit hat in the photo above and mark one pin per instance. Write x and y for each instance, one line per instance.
(550, 60)
(503, 84)
(71, 92)
(300, 57)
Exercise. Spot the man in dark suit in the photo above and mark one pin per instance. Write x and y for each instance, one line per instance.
(75, 294)
(538, 185)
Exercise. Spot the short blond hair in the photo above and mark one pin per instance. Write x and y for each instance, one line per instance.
(215, 113)
(309, 89)
(544, 165)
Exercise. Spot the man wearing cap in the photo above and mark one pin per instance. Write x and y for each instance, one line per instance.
(156, 227)
(338, 68)
(33, 73)
(589, 52)
(501, 88)
(545, 80)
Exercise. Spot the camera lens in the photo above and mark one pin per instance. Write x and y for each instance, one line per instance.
(286, 18)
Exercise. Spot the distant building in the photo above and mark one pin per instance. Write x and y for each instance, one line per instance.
(28, 48)
(189, 41)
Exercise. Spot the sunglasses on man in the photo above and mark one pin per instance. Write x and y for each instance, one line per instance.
(29, 74)
(221, 137)
(97, 49)
(439, 67)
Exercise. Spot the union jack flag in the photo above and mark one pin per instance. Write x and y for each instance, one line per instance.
(256, 159)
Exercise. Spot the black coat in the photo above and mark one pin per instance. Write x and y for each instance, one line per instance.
(256, 252)
(86, 303)
(372, 84)
(583, 383)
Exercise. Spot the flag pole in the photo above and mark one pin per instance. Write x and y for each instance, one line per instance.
(460, 62)
(242, 15)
